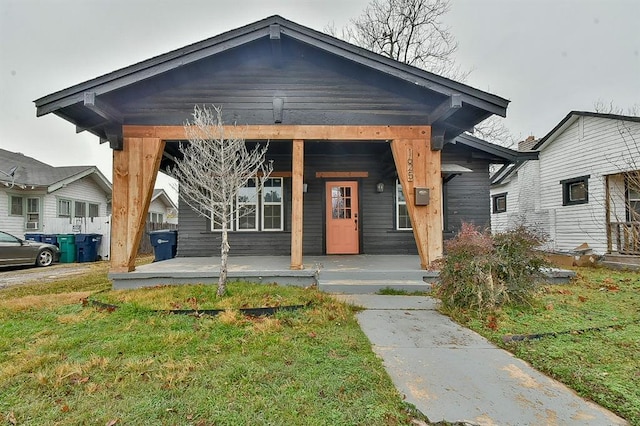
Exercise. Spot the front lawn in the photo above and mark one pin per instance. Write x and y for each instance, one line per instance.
(592, 336)
(65, 363)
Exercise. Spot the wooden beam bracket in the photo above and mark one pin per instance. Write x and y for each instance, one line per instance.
(276, 48)
(278, 105)
(446, 109)
(437, 138)
(102, 108)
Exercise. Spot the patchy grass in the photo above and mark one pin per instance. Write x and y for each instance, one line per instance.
(602, 364)
(388, 291)
(65, 363)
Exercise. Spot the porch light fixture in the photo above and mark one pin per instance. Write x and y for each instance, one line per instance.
(304, 187)
(380, 187)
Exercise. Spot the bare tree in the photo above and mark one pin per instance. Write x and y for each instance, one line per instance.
(413, 32)
(213, 170)
(409, 31)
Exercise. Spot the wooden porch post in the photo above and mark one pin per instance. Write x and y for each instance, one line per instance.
(297, 176)
(419, 167)
(135, 168)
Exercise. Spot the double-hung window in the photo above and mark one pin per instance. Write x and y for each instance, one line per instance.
(33, 211)
(247, 210)
(256, 210)
(17, 205)
(80, 209)
(94, 210)
(402, 214)
(272, 218)
(64, 208)
(633, 203)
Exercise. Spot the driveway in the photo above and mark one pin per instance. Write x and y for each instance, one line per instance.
(12, 276)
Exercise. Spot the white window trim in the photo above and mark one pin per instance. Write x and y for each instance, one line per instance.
(252, 202)
(66, 200)
(271, 203)
(258, 205)
(399, 203)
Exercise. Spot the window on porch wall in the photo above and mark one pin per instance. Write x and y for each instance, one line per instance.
(403, 221)
(257, 211)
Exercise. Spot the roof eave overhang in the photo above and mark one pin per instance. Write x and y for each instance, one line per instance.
(99, 178)
(492, 104)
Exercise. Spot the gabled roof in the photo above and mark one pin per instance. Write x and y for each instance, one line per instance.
(571, 118)
(159, 193)
(507, 155)
(72, 105)
(34, 173)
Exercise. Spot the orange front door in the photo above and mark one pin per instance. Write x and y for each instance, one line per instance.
(342, 218)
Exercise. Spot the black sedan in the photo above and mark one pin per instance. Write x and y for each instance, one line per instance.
(14, 252)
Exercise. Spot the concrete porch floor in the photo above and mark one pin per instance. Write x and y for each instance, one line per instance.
(350, 274)
(364, 273)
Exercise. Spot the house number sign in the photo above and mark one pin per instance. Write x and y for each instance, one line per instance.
(409, 164)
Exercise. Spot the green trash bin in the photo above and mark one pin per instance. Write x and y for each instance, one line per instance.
(67, 244)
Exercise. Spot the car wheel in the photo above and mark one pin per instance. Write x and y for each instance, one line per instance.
(45, 258)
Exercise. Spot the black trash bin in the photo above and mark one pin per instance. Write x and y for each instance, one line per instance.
(87, 247)
(33, 237)
(164, 244)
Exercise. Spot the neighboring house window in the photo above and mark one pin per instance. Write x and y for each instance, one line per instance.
(272, 217)
(64, 208)
(402, 214)
(80, 209)
(257, 210)
(575, 191)
(94, 210)
(33, 213)
(155, 217)
(17, 206)
(500, 203)
(633, 203)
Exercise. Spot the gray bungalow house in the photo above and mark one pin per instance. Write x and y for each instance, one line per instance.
(370, 155)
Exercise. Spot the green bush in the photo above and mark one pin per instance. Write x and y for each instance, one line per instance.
(483, 272)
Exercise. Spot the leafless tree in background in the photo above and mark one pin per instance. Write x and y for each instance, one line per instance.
(212, 172)
(413, 32)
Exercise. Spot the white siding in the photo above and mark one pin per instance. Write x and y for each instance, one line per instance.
(592, 146)
(15, 225)
(85, 189)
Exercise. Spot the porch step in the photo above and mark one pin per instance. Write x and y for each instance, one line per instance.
(620, 265)
(371, 286)
(625, 259)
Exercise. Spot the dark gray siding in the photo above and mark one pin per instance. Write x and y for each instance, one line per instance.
(466, 195)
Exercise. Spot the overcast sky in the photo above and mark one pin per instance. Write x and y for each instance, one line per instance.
(547, 56)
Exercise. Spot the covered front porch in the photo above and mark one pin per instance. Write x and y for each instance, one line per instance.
(336, 274)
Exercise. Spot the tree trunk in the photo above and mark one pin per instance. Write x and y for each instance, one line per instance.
(224, 256)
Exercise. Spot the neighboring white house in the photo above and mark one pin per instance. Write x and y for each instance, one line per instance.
(36, 197)
(162, 208)
(582, 189)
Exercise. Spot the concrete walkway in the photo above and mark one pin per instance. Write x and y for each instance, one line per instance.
(451, 373)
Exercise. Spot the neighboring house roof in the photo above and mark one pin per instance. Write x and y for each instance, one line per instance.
(454, 106)
(161, 194)
(571, 118)
(34, 173)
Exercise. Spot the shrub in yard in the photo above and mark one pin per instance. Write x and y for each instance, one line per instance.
(484, 272)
